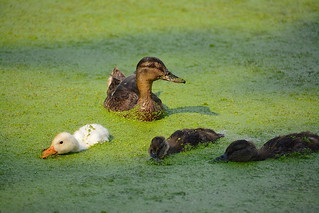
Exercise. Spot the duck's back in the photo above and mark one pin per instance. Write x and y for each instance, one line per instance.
(180, 138)
(295, 142)
(124, 97)
(91, 134)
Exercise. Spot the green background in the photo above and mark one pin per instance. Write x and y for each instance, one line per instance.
(252, 72)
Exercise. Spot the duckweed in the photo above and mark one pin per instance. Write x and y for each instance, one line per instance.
(252, 73)
(137, 114)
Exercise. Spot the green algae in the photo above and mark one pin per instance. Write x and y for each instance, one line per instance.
(251, 71)
(141, 115)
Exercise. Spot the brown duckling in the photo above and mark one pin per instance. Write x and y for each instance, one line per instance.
(160, 147)
(135, 91)
(243, 150)
(240, 151)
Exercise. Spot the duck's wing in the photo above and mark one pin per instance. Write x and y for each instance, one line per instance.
(91, 134)
(182, 140)
(176, 142)
(124, 97)
(294, 142)
(116, 77)
(192, 137)
(208, 135)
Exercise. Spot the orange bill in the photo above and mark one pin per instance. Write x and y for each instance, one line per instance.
(48, 152)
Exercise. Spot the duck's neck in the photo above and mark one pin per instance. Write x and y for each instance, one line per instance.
(148, 108)
(79, 145)
(263, 154)
(144, 88)
(164, 150)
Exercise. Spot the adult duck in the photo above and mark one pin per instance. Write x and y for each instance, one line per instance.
(160, 147)
(243, 150)
(133, 94)
(82, 139)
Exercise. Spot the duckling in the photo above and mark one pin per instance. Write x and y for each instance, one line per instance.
(135, 91)
(160, 147)
(82, 139)
(243, 150)
(240, 151)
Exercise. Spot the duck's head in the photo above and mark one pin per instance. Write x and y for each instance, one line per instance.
(62, 143)
(158, 148)
(152, 69)
(239, 151)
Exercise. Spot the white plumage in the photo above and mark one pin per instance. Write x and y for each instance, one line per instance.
(91, 134)
(82, 139)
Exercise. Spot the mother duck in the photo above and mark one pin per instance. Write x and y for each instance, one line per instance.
(133, 94)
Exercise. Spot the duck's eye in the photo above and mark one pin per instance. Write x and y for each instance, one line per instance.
(61, 142)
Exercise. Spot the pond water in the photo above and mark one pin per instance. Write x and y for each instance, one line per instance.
(251, 71)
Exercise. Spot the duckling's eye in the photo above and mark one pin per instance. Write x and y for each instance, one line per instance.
(61, 142)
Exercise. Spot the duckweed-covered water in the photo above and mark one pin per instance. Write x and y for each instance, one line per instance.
(252, 72)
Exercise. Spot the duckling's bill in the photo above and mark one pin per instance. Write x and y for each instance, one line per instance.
(155, 157)
(48, 152)
(223, 157)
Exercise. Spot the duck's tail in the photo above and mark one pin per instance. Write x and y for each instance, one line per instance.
(114, 80)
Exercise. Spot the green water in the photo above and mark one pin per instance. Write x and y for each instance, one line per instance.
(252, 72)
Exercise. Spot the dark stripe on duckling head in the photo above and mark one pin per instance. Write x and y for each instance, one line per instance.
(158, 142)
(237, 145)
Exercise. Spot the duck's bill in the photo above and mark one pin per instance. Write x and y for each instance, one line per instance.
(154, 156)
(173, 78)
(48, 152)
(155, 159)
(223, 157)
